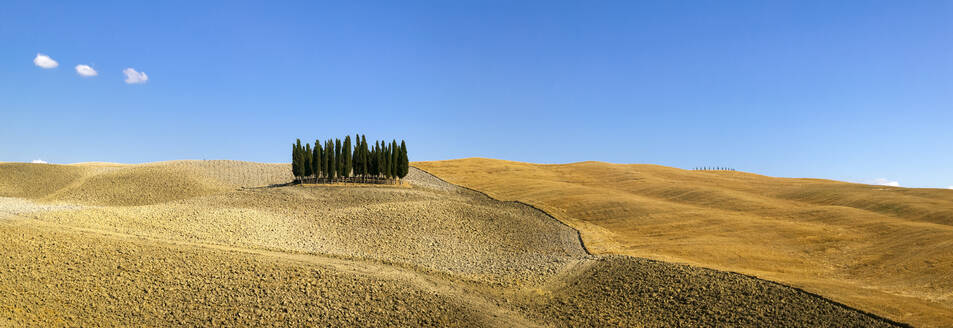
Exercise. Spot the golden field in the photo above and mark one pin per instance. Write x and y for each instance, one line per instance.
(227, 243)
(886, 250)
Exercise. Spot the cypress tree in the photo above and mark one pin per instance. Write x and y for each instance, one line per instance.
(307, 160)
(316, 159)
(375, 161)
(296, 165)
(328, 158)
(294, 160)
(332, 159)
(403, 161)
(394, 165)
(364, 155)
(336, 159)
(385, 155)
(337, 156)
(382, 169)
(381, 164)
(324, 160)
(380, 160)
(356, 157)
(370, 161)
(391, 160)
(348, 160)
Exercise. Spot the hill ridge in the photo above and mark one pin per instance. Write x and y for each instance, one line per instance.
(884, 251)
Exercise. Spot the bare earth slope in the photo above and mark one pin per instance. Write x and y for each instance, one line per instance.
(208, 243)
(882, 249)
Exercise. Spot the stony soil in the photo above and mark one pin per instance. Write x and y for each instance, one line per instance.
(446, 229)
(621, 291)
(52, 278)
(428, 255)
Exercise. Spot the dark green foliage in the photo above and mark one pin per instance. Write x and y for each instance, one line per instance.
(376, 159)
(328, 152)
(364, 155)
(381, 163)
(385, 154)
(332, 161)
(337, 157)
(297, 160)
(394, 165)
(356, 156)
(325, 156)
(316, 159)
(348, 160)
(403, 161)
(351, 158)
(307, 160)
(294, 160)
(371, 161)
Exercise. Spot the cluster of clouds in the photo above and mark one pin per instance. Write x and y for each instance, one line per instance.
(886, 182)
(892, 183)
(132, 76)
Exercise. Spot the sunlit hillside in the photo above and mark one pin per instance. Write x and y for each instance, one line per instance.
(228, 243)
(886, 250)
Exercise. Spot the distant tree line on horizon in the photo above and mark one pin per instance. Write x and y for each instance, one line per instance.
(340, 161)
(713, 168)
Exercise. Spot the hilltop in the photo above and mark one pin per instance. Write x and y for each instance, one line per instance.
(882, 249)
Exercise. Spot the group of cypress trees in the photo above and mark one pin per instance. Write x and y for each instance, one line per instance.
(347, 162)
(713, 168)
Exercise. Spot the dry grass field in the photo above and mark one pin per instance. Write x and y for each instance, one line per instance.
(212, 243)
(886, 250)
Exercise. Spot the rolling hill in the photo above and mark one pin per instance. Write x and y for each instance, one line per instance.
(210, 243)
(887, 250)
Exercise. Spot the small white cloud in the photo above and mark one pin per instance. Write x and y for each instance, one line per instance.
(885, 182)
(38, 161)
(133, 77)
(85, 70)
(950, 187)
(45, 61)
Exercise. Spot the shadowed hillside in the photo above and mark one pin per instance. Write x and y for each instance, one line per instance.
(887, 250)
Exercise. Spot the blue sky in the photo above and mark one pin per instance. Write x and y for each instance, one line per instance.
(847, 90)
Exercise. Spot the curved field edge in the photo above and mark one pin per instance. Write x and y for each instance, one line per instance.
(652, 221)
(663, 263)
